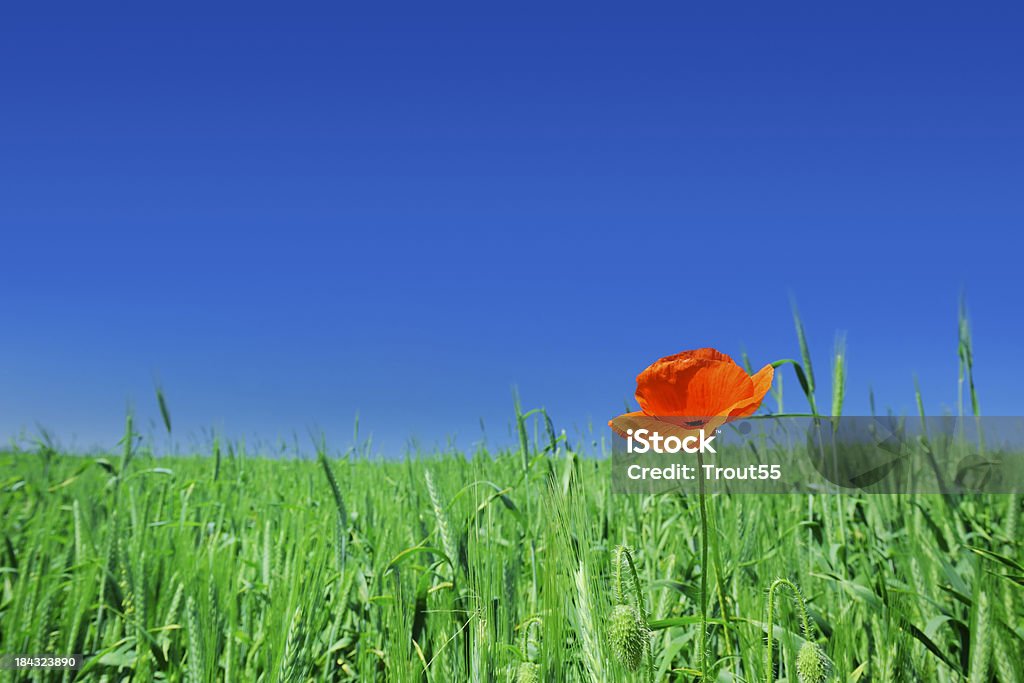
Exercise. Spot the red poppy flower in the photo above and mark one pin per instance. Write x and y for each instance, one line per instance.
(694, 390)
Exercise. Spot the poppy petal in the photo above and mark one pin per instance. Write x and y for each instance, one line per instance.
(692, 383)
(706, 353)
(762, 382)
(639, 420)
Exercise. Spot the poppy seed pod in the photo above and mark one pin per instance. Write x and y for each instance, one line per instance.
(528, 673)
(627, 634)
(811, 665)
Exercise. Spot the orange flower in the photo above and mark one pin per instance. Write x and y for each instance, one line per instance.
(693, 390)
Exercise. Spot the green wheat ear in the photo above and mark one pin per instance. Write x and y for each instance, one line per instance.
(528, 673)
(811, 664)
(628, 635)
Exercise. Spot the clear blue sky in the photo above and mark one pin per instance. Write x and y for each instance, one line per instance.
(291, 215)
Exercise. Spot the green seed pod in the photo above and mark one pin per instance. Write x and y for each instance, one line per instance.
(627, 634)
(528, 673)
(811, 664)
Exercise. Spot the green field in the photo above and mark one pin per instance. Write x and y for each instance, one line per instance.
(449, 568)
(516, 565)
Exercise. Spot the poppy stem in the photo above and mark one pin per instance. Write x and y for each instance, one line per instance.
(703, 569)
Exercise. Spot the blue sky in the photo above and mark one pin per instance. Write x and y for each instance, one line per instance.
(287, 218)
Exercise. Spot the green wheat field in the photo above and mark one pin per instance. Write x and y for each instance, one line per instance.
(510, 565)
